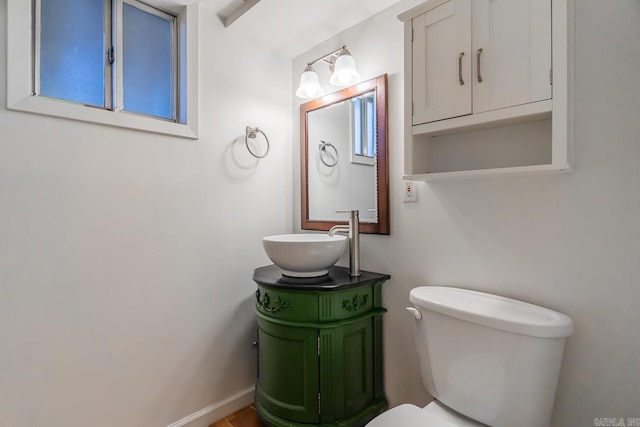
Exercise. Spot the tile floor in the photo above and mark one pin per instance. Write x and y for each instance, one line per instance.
(245, 417)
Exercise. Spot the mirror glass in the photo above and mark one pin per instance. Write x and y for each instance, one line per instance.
(344, 157)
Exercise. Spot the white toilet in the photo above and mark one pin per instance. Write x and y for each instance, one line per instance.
(487, 360)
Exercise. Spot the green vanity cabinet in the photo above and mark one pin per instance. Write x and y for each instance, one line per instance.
(319, 348)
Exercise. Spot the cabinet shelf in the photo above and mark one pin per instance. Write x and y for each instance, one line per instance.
(493, 172)
(472, 122)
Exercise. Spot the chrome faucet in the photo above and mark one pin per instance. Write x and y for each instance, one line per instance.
(353, 231)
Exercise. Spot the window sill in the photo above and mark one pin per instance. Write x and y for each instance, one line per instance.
(69, 110)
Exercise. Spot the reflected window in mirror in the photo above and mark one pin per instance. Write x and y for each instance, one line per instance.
(363, 143)
(344, 165)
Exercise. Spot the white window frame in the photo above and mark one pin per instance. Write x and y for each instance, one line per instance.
(21, 78)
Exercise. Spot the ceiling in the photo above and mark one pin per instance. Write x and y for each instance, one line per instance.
(292, 27)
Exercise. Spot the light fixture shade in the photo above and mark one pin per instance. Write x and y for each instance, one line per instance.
(344, 71)
(309, 84)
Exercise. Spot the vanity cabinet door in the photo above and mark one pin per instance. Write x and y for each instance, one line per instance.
(346, 370)
(287, 385)
(511, 53)
(441, 68)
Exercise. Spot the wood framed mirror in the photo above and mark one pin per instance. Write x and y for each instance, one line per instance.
(344, 158)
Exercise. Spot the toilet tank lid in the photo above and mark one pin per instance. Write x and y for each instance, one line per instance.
(493, 311)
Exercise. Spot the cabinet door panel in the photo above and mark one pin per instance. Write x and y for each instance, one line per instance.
(288, 383)
(346, 369)
(441, 76)
(515, 59)
(359, 354)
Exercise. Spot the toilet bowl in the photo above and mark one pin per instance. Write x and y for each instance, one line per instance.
(487, 360)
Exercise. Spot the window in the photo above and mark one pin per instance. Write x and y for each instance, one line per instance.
(81, 45)
(123, 63)
(363, 113)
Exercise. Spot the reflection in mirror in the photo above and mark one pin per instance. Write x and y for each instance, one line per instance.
(344, 157)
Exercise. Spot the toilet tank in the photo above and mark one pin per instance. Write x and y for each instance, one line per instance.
(494, 359)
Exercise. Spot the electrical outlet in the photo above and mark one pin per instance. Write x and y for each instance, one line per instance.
(409, 191)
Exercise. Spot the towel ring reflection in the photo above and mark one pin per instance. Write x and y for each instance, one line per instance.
(252, 133)
(323, 149)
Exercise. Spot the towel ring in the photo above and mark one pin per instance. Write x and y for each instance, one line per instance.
(323, 149)
(252, 133)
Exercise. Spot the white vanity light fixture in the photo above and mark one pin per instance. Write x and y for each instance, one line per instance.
(309, 84)
(343, 69)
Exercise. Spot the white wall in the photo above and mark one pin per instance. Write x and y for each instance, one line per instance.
(568, 242)
(126, 258)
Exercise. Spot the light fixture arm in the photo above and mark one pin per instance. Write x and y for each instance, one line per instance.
(329, 58)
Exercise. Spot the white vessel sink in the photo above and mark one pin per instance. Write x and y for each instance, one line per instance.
(304, 255)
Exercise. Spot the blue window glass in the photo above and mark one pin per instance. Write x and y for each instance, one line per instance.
(364, 126)
(72, 51)
(147, 63)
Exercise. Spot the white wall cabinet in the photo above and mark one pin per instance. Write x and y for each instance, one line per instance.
(478, 65)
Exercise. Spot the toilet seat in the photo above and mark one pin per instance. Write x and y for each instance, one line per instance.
(434, 414)
(408, 416)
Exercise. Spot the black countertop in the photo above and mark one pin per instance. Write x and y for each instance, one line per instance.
(338, 278)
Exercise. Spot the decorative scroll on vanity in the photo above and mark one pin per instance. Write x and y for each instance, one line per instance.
(319, 348)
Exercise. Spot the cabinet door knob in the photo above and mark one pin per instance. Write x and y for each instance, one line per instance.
(478, 65)
(254, 345)
(460, 68)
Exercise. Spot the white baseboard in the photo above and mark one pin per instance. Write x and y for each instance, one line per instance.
(217, 411)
